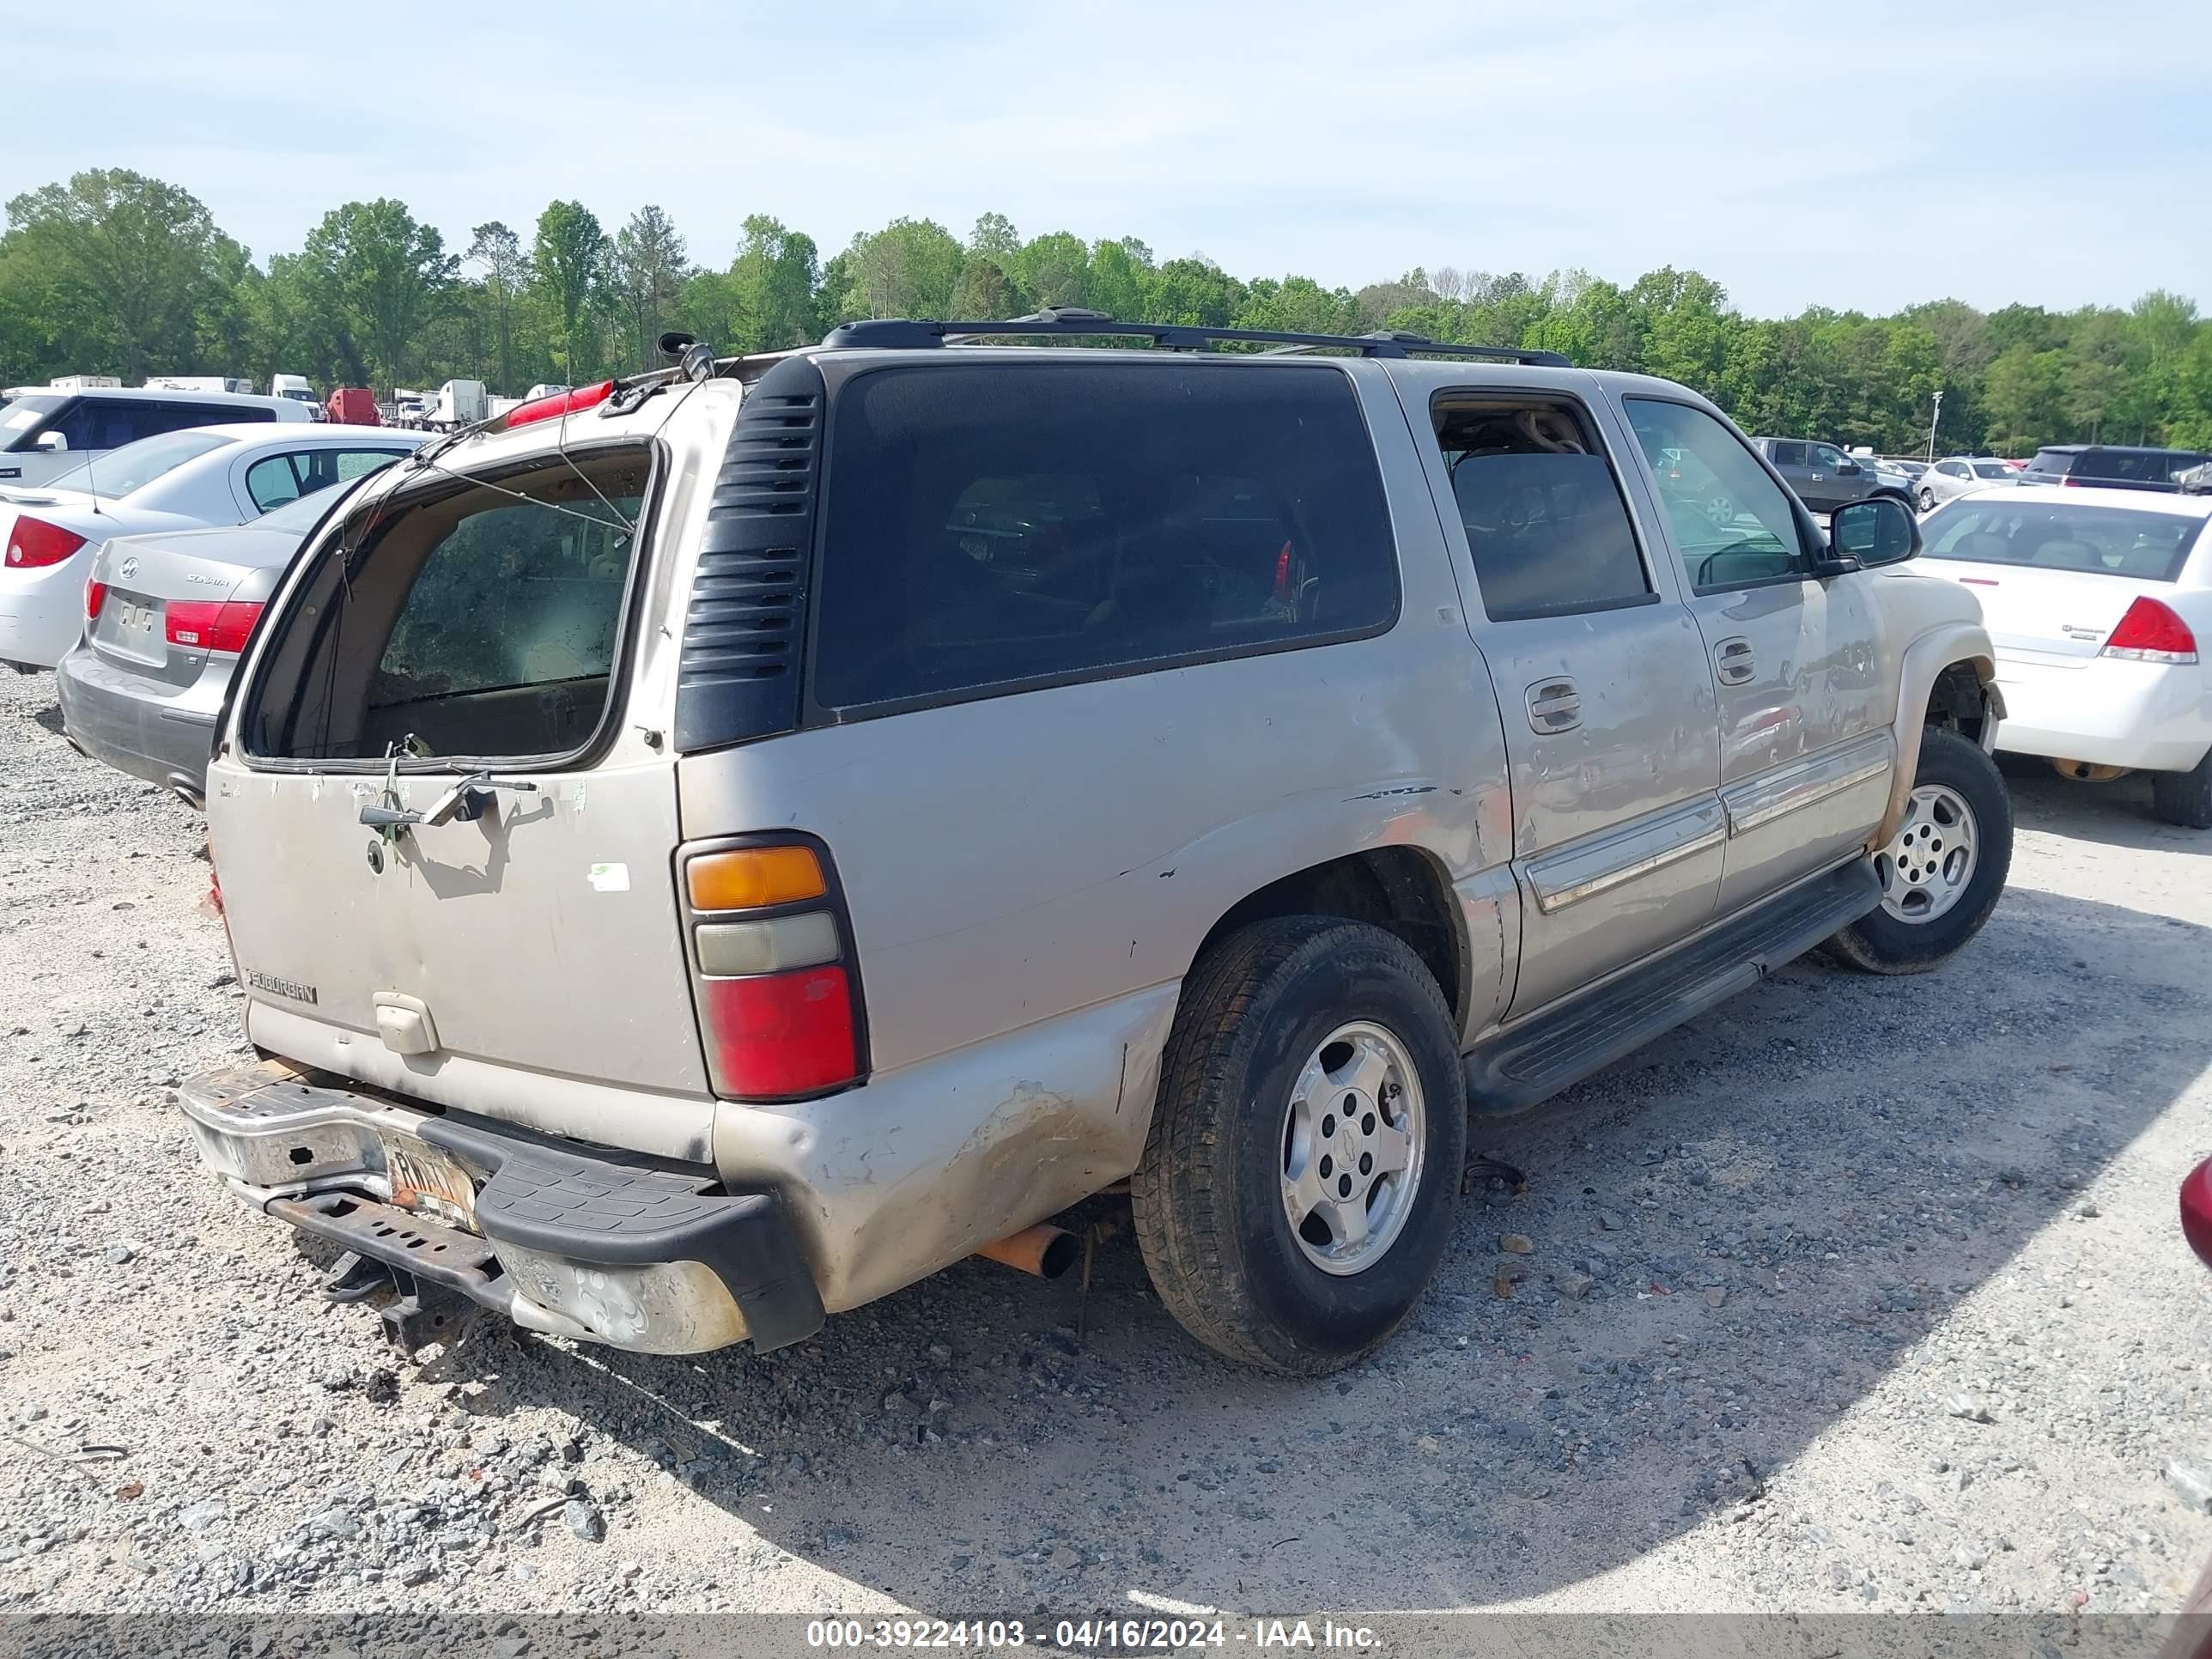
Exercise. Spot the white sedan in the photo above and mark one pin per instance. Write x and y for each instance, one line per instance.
(2096, 600)
(1960, 474)
(189, 480)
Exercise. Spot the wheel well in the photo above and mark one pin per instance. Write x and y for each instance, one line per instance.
(1957, 702)
(1399, 889)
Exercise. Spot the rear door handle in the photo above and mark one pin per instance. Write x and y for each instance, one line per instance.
(1733, 661)
(1554, 705)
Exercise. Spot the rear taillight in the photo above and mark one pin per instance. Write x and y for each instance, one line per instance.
(34, 543)
(95, 596)
(2151, 632)
(560, 404)
(771, 956)
(211, 625)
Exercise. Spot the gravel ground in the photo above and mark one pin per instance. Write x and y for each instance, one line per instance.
(1856, 1293)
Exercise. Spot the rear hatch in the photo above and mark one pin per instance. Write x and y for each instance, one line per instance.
(523, 956)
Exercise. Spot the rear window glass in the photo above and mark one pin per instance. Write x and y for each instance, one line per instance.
(2098, 541)
(131, 468)
(484, 621)
(1992, 469)
(999, 523)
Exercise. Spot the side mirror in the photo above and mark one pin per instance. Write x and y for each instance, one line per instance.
(1847, 469)
(52, 442)
(1874, 532)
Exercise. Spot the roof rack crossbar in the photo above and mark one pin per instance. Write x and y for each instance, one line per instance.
(901, 333)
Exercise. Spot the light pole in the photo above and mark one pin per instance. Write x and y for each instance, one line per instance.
(1932, 419)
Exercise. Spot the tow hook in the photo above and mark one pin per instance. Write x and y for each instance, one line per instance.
(418, 1313)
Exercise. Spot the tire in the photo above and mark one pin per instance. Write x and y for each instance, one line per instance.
(2184, 798)
(1259, 1012)
(1954, 773)
(1927, 499)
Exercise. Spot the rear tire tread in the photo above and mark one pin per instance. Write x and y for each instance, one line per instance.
(1182, 1219)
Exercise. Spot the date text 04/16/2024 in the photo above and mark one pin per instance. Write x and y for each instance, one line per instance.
(1100, 1634)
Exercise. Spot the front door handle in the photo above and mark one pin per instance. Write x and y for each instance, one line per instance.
(1732, 660)
(1554, 705)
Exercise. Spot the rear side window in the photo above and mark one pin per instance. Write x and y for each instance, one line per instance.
(1786, 454)
(277, 479)
(996, 524)
(469, 623)
(110, 423)
(2139, 466)
(1547, 526)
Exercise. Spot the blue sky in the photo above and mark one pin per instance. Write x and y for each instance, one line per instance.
(1863, 155)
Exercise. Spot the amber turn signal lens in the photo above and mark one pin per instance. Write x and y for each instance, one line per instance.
(746, 878)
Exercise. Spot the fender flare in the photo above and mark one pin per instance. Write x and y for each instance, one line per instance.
(1925, 658)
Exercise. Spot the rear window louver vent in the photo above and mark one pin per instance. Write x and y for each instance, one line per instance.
(739, 678)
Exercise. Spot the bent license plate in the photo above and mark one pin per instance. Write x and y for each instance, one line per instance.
(426, 1180)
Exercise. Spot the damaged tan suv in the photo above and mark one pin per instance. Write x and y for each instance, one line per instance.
(705, 851)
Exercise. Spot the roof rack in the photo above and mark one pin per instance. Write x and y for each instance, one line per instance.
(1056, 322)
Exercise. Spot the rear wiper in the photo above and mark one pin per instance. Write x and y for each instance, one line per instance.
(466, 801)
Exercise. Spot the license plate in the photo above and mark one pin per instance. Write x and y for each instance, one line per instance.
(424, 1179)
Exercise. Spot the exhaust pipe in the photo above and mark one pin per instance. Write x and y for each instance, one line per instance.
(1045, 1250)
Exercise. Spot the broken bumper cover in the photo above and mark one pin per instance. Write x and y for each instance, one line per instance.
(590, 1244)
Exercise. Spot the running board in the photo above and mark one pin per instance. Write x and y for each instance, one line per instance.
(1526, 1064)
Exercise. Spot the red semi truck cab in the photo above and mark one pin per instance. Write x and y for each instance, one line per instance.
(353, 406)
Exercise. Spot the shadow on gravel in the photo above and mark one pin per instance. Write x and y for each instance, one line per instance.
(50, 718)
(2116, 814)
(1736, 1235)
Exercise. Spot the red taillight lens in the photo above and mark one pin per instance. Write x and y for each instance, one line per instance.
(206, 625)
(561, 402)
(781, 1033)
(34, 543)
(95, 595)
(2151, 632)
(2197, 1210)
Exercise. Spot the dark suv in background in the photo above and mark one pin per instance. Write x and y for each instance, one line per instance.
(1824, 478)
(2112, 467)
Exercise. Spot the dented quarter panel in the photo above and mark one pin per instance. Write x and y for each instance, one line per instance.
(887, 1184)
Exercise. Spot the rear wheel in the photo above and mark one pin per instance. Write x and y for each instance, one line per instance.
(1927, 499)
(2184, 798)
(1297, 1189)
(1943, 870)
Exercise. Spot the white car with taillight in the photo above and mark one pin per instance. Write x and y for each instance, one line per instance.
(189, 480)
(2099, 604)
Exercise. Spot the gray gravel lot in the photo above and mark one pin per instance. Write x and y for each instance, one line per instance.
(1857, 1293)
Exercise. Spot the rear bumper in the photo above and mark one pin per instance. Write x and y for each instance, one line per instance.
(2142, 715)
(592, 1245)
(112, 716)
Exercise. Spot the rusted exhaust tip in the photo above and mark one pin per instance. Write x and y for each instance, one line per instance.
(1044, 1249)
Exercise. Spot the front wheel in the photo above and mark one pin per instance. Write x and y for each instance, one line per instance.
(2184, 798)
(1298, 1185)
(1943, 870)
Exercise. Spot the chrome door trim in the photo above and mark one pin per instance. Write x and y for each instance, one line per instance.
(1808, 782)
(1585, 868)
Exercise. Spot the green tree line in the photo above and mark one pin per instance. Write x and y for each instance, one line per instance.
(113, 273)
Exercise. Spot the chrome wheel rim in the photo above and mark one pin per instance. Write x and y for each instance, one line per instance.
(1925, 868)
(1352, 1148)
